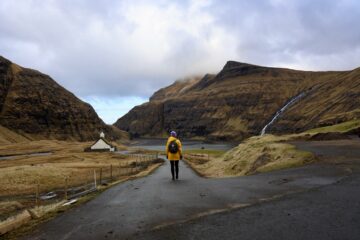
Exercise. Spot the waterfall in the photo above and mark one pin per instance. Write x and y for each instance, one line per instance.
(278, 113)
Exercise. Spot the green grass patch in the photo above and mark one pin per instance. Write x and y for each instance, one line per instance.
(212, 152)
(341, 127)
(256, 154)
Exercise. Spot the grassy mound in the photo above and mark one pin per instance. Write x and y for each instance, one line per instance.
(266, 153)
(257, 154)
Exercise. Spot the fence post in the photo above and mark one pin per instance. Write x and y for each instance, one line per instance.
(100, 181)
(111, 176)
(37, 193)
(66, 189)
(95, 178)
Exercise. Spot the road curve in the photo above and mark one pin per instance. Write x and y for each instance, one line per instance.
(131, 208)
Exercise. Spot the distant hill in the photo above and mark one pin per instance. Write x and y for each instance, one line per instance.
(242, 98)
(34, 106)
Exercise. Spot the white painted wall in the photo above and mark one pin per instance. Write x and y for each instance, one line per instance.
(100, 144)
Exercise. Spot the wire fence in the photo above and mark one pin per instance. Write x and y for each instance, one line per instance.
(89, 182)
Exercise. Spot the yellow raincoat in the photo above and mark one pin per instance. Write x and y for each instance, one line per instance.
(173, 156)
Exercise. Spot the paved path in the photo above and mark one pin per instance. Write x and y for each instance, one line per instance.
(328, 212)
(129, 209)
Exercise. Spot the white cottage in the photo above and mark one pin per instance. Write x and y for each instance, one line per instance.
(101, 145)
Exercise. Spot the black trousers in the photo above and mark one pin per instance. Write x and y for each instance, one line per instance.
(174, 164)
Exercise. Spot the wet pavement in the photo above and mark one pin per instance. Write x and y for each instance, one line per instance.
(330, 212)
(327, 212)
(133, 208)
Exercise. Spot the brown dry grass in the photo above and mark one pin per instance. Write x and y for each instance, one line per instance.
(20, 175)
(257, 154)
(261, 154)
(7, 136)
(7, 207)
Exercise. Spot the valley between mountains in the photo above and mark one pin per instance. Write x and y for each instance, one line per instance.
(241, 99)
(266, 114)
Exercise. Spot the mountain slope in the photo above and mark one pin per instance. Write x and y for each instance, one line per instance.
(336, 100)
(7, 136)
(34, 105)
(239, 101)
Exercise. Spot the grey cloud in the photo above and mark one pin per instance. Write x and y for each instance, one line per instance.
(295, 32)
(132, 48)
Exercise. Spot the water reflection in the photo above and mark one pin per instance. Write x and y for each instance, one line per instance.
(159, 144)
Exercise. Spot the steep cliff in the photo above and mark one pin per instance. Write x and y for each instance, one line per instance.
(334, 100)
(238, 102)
(34, 105)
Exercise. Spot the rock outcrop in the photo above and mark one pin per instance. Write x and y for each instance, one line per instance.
(238, 102)
(34, 105)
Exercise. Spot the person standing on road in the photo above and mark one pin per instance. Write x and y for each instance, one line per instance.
(174, 153)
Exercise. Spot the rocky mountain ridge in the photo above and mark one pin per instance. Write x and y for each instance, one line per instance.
(238, 102)
(34, 105)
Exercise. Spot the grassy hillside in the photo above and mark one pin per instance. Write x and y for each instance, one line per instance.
(262, 154)
(242, 98)
(7, 136)
(341, 127)
(256, 154)
(33, 104)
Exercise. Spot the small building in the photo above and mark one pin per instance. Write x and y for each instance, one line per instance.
(101, 145)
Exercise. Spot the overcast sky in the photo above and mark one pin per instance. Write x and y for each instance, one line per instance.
(114, 54)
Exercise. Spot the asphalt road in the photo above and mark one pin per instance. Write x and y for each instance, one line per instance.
(327, 212)
(155, 207)
(331, 212)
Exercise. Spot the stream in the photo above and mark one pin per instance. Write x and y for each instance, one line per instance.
(25, 155)
(280, 112)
